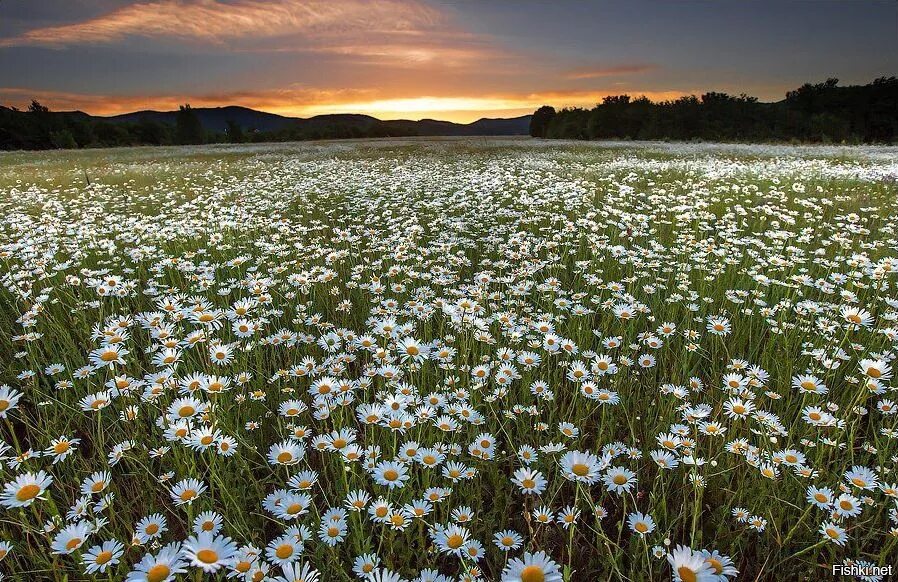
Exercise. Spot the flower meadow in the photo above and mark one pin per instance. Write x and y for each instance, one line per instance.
(448, 360)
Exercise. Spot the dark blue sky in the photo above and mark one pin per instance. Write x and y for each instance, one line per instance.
(452, 60)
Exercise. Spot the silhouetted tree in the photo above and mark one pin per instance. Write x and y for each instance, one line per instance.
(36, 107)
(235, 132)
(539, 123)
(188, 129)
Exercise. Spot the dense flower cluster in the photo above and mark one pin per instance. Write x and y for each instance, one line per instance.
(448, 361)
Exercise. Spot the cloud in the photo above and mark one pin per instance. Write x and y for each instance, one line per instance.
(274, 100)
(306, 102)
(612, 71)
(217, 21)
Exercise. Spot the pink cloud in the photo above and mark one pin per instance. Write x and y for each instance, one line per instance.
(611, 71)
(217, 22)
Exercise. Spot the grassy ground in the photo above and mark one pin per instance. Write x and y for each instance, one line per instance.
(713, 327)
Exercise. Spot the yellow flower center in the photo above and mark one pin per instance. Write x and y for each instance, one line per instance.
(580, 469)
(27, 492)
(207, 556)
(158, 573)
(533, 573)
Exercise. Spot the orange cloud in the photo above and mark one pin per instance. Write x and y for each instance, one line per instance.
(217, 21)
(596, 72)
(306, 102)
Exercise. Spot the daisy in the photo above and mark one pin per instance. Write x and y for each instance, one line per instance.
(722, 566)
(70, 538)
(821, 497)
(100, 558)
(533, 567)
(108, 356)
(332, 532)
(297, 572)
(286, 452)
(209, 552)
(161, 567)
(150, 527)
(208, 521)
(530, 481)
(186, 491)
(284, 550)
(24, 489)
(619, 480)
(690, 566)
(876, 369)
(365, 564)
(582, 467)
(641, 523)
(847, 505)
(861, 477)
(390, 474)
(452, 539)
(9, 399)
(719, 326)
(507, 540)
(833, 533)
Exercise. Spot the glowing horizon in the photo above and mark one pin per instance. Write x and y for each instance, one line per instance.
(455, 109)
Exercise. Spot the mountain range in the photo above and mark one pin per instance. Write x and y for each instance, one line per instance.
(215, 119)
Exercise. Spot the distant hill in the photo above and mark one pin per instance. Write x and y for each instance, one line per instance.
(215, 119)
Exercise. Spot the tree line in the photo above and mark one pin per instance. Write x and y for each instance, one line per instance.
(38, 128)
(816, 113)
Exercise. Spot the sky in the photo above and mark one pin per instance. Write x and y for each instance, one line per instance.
(413, 59)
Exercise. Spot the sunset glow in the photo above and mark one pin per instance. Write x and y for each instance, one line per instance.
(409, 59)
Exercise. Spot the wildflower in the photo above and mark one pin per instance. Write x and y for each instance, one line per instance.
(535, 567)
(24, 489)
(209, 552)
